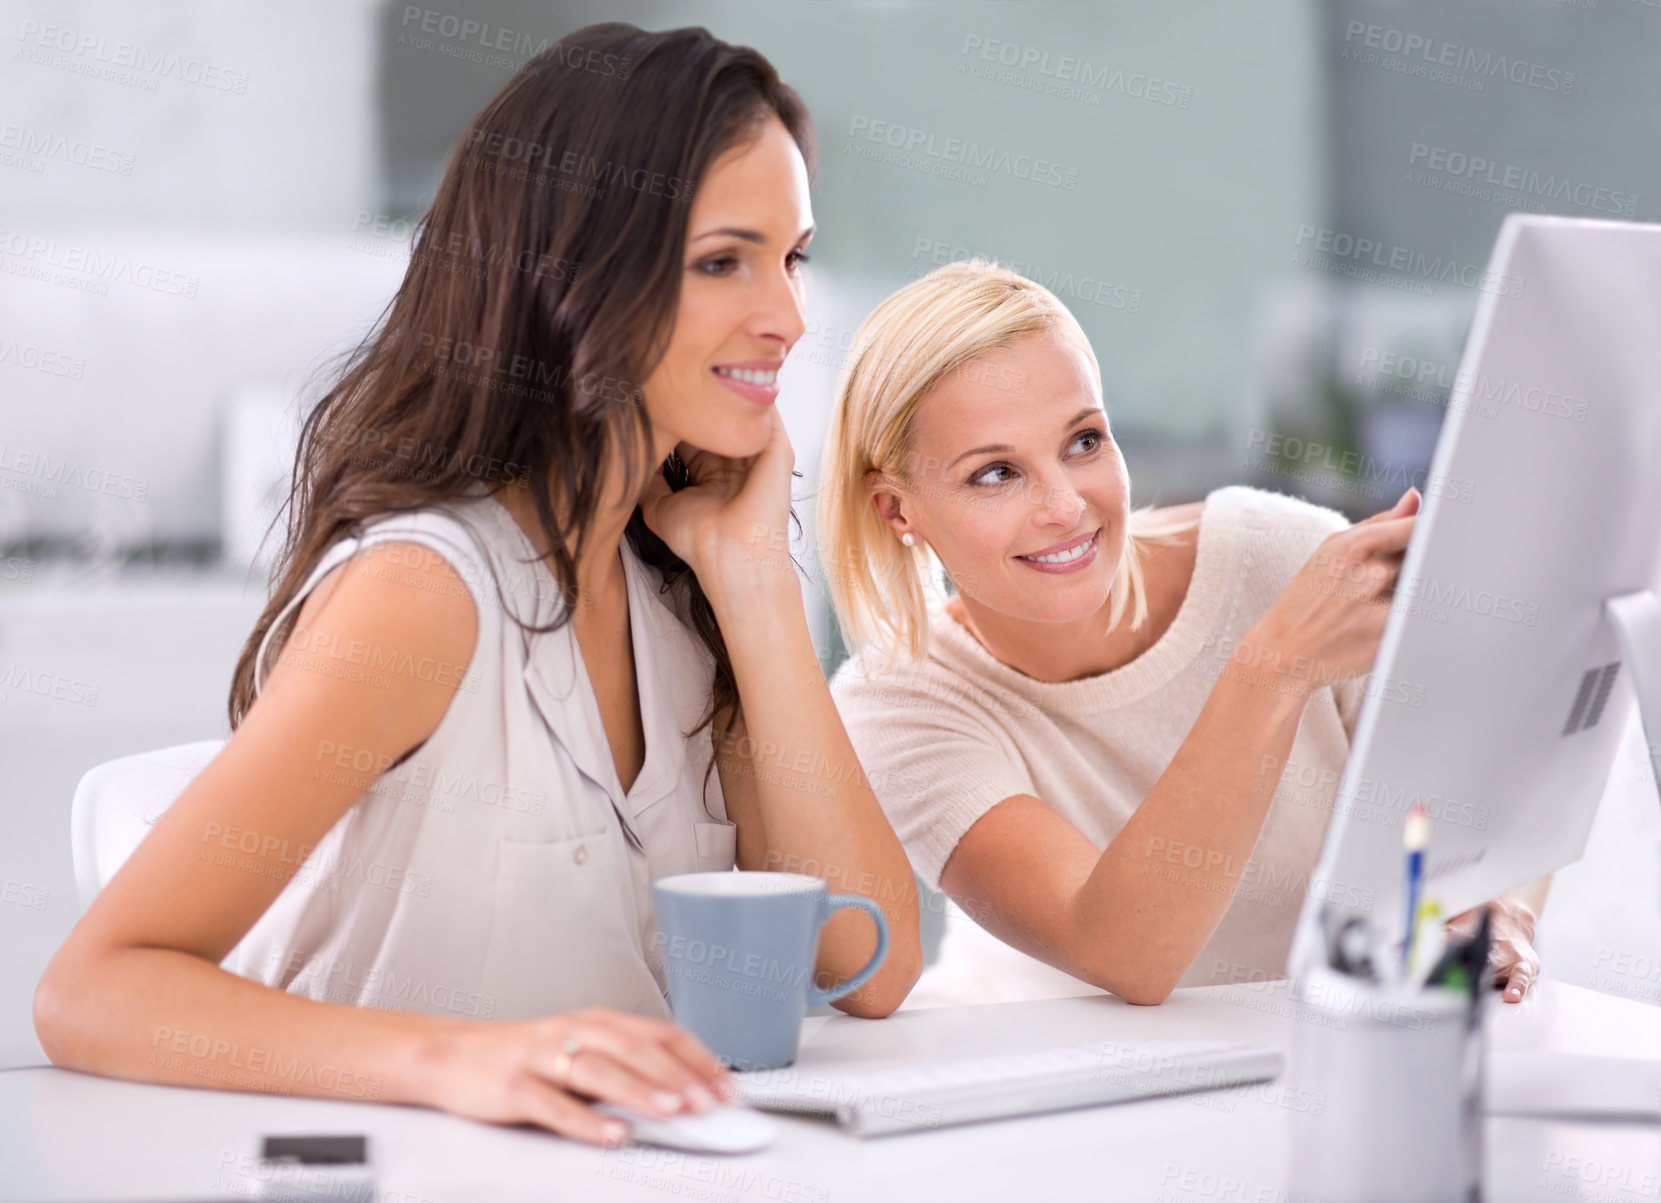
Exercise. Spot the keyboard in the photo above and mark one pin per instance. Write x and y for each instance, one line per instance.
(911, 1098)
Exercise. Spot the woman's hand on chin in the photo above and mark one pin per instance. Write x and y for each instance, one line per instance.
(732, 522)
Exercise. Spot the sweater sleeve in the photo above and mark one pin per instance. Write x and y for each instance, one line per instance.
(935, 760)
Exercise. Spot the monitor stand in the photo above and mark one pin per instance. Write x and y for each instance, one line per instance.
(1636, 618)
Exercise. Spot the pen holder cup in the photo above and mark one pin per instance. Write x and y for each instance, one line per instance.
(1398, 1071)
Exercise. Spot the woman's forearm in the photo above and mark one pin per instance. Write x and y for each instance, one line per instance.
(819, 814)
(1163, 884)
(162, 1015)
(1533, 895)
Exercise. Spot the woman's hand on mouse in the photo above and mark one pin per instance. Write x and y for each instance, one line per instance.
(546, 1071)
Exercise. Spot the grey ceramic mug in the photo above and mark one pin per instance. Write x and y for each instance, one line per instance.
(738, 951)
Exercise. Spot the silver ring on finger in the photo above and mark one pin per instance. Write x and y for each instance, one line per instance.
(568, 1049)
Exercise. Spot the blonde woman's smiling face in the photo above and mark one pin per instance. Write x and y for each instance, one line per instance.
(1014, 480)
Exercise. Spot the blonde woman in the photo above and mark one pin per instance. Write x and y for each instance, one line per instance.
(1115, 744)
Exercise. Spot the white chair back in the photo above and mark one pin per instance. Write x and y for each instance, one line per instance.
(118, 802)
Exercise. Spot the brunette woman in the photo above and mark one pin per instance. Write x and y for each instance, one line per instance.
(531, 644)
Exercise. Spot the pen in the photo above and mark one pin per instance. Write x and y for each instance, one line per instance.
(1476, 961)
(1449, 969)
(1353, 956)
(1330, 920)
(1464, 963)
(1415, 835)
(1429, 938)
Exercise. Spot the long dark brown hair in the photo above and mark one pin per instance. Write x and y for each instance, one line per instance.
(543, 285)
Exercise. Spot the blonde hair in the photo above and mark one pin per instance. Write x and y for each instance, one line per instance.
(954, 315)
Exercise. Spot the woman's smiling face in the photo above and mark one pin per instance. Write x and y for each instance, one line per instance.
(1014, 480)
(742, 300)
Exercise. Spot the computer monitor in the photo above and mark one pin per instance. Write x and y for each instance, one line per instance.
(1526, 617)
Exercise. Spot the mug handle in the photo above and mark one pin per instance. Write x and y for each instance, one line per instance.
(833, 903)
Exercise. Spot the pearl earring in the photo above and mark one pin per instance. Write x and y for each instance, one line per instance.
(909, 539)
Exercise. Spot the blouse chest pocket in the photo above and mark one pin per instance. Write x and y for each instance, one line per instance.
(564, 932)
(680, 835)
(717, 845)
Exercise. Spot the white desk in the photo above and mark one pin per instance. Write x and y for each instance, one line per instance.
(71, 1136)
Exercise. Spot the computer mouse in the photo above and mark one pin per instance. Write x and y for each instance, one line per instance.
(725, 1128)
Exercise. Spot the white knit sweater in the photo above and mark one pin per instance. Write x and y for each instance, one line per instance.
(946, 739)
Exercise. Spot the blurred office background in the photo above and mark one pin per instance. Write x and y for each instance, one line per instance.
(1270, 217)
